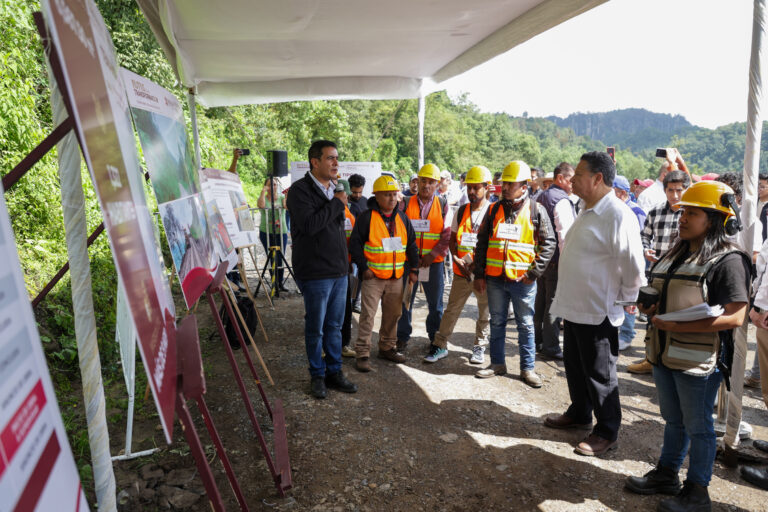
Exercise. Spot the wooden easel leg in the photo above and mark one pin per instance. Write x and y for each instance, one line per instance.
(241, 264)
(245, 328)
(253, 300)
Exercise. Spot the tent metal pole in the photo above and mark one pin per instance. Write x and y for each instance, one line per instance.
(748, 210)
(193, 118)
(73, 206)
(422, 110)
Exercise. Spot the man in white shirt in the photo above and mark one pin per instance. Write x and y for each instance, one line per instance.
(562, 214)
(601, 263)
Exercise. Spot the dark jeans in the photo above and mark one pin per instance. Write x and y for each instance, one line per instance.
(433, 289)
(547, 326)
(686, 403)
(323, 316)
(273, 240)
(590, 353)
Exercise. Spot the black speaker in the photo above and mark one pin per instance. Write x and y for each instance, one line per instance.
(277, 162)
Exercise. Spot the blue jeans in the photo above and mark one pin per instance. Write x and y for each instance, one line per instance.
(323, 316)
(686, 403)
(433, 289)
(627, 329)
(523, 298)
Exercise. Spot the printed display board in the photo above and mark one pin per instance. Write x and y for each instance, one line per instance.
(369, 170)
(193, 241)
(103, 124)
(224, 189)
(37, 469)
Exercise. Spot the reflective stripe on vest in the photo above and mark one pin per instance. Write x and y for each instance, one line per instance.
(465, 226)
(515, 256)
(348, 232)
(692, 353)
(427, 241)
(385, 264)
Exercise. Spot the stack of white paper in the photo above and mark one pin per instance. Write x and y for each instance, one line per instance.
(697, 312)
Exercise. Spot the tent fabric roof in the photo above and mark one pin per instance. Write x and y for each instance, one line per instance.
(240, 51)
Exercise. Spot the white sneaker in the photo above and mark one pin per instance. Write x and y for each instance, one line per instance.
(478, 354)
(624, 345)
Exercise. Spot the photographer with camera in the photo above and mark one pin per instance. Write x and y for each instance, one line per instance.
(236, 154)
(273, 231)
(654, 195)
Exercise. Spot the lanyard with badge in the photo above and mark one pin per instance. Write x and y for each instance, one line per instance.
(393, 243)
(470, 239)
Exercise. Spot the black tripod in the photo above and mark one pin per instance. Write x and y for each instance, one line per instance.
(276, 260)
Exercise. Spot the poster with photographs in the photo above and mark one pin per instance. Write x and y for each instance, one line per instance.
(103, 122)
(225, 190)
(175, 180)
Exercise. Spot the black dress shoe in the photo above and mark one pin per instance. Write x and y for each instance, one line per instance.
(340, 382)
(693, 498)
(760, 445)
(318, 387)
(659, 480)
(755, 476)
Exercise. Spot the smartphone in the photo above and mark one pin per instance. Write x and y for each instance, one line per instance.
(661, 152)
(612, 152)
(496, 189)
(245, 152)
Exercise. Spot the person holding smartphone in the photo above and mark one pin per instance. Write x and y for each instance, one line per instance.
(702, 267)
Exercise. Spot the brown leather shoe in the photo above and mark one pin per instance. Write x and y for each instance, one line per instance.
(562, 421)
(640, 368)
(362, 364)
(402, 346)
(392, 355)
(595, 445)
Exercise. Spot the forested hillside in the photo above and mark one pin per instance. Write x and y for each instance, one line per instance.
(635, 129)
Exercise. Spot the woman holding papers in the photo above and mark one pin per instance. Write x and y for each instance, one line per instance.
(702, 267)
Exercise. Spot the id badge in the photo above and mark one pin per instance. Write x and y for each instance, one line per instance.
(424, 274)
(392, 244)
(468, 239)
(509, 231)
(347, 224)
(420, 225)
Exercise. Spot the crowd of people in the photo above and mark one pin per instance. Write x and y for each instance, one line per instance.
(579, 250)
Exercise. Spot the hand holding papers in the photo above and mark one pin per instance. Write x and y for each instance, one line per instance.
(697, 312)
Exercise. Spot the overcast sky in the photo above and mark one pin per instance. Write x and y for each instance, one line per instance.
(688, 57)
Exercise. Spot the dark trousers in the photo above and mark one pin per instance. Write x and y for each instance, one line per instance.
(547, 326)
(346, 327)
(590, 353)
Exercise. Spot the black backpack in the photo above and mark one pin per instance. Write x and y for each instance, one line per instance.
(249, 315)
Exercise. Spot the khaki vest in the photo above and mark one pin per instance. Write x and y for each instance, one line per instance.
(694, 353)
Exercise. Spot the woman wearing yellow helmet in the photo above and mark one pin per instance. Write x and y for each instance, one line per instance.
(690, 358)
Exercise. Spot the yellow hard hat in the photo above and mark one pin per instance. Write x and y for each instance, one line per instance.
(478, 174)
(385, 184)
(515, 171)
(709, 195)
(430, 171)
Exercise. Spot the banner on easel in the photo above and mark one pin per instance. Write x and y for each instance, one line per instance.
(225, 190)
(37, 469)
(103, 125)
(191, 227)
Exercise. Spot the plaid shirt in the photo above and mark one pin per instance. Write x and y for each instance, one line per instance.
(660, 230)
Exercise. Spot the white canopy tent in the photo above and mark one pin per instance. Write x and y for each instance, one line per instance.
(235, 52)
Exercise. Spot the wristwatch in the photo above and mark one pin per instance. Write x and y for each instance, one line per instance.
(757, 309)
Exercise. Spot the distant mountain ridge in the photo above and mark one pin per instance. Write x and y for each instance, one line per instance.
(636, 129)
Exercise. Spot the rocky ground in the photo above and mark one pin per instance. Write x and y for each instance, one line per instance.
(415, 436)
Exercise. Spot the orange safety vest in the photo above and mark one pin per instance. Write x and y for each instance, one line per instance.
(465, 226)
(426, 241)
(349, 223)
(389, 264)
(515, 256)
